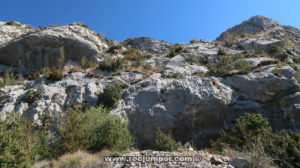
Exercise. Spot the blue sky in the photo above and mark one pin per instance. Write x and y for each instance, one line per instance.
(168, 20)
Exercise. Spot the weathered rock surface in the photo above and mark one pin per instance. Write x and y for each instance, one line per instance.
(75, 89)
(182, 106)
(148, 45)
(52, 47)
(12, 30)
(260, 44)
(264, 86)
(192, 105)
(179, 65)
(260, 61)
(256, 24)
(238, 162)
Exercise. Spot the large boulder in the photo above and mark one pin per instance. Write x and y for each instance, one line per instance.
(147, 44)
(52, 47)
(190, 108)
(264, 86)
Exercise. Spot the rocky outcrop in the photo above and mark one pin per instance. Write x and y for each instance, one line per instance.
(256, 24)
(264, 86)
(182, 106)
(52, 47)
(175, 93)
(260, 44)
(12, 30)
(146, 44)
(74, 90)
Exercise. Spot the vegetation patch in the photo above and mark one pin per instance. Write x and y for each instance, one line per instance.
(253, 133)
(164, 142)
(176, 49)
(172, 75)
(135, 55)
(112, 93)
(192, 59)
(10, 78)
(221, 52)
(32, 95)
(227, 64)
(111, 65)
(44, 71)
(278, 52)
(86, 64)
(93, 129)
(114, 49)
(55, 75)
(13, 23)
(21, 142)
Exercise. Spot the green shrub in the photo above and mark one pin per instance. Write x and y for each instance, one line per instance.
(14, 143)
(111, 65)
(228, 43)
(93, 129)
(113, 49)
(172, 75)
(55, 75)
(32, 95)
(221, 52)
(76, 69)
(247, 128)
(164, 142)
(192, 59)
(278, 52)
(13, 23)
(85, 63)
(135, 55)
(44, 71)
(284, 147)
(111, 94)
(72, 136)
(177, 48)
(276, 49)
(21, 142)
(108, 133)
(10, 78)
(253, 133)
(229, 63)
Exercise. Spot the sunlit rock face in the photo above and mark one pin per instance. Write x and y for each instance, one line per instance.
(175, 92)
(51, 47)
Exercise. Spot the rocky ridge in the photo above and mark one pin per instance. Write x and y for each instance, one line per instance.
(177, 92)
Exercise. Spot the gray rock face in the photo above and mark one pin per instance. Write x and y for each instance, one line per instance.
(182, 106)
(179, 65)
(291, 109)
(260, 44)
(52, 47)
(75, 89)
(190, 106)
(263, 86)
(146, 44)
(255, 24)
(238, 162)
(259, 61)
